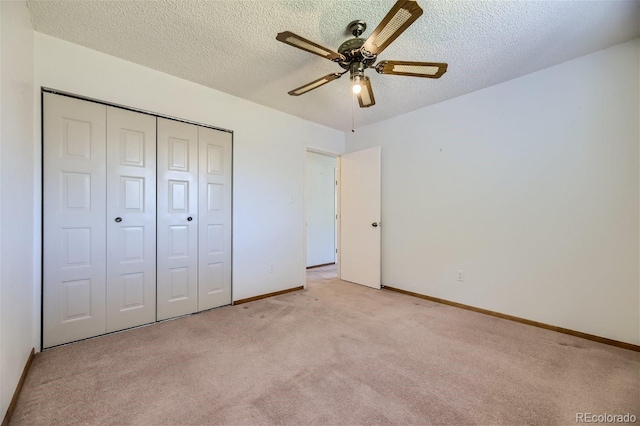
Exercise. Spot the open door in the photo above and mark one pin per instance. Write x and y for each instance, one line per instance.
(360, 217)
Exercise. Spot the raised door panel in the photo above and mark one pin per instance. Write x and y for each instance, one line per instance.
(131, 219)
(215, 218)
(177, 254)
(74, 232)
(359, 211)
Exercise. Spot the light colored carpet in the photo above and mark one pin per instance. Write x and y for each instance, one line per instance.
(336, 353)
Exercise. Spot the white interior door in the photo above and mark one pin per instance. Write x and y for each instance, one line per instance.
(177, 220)
(131, 219)
(214, 220)
(360, 217)
(74, 231)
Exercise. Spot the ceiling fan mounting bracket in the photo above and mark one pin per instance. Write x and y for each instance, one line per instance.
(357, 27)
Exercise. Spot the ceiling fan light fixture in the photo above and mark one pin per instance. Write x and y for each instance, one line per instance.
(365, 97)
(357, 76)
(357, 87)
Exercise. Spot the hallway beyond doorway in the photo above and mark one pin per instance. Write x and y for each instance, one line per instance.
(322, 274)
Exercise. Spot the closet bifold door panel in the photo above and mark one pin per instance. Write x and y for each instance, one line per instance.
(177, 219)
(214, 278)
(74, 227)
(131, 219)
(99, 219)
(136, 219)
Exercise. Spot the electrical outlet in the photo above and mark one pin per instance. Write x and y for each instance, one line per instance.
(460, 275)
(271, 268)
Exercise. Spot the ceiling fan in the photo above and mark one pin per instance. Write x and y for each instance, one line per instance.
(357, 54)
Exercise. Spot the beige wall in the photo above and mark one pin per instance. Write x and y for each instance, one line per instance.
(268, 161)
(16, 196)
(531, 187)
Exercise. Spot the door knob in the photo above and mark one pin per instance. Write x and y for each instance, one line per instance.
(118, 219)
(374, 224)
(189, 218)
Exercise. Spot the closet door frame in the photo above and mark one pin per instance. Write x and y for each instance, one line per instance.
(43, 91)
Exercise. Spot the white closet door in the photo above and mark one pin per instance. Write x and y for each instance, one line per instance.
(177, 236)
(214, 279)
(74, 219)
(131, 219)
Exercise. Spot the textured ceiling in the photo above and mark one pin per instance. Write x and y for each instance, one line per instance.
(231, 46)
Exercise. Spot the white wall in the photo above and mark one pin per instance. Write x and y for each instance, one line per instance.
(320, 208)
(531, 187)
(16, 196)
(268, 162)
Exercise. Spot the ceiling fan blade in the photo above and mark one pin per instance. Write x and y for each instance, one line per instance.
(304, 44)
(401, 15)
(315, 84)
(365, 97)
(412, 69)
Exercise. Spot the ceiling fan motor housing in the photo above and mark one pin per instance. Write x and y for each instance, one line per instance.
(351, 49)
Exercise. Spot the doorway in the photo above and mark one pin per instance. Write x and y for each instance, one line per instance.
(321, 212)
